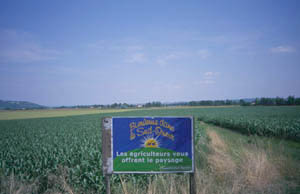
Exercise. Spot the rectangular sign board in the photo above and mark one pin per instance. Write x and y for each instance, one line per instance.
(152, 145)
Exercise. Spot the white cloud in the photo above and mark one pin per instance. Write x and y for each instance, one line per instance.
(136, 58)
(282, 49)
(20, 47)
(175, 86)
(242, 43)
(115, 45)
(97, 45)
(134, 48)
(28, 53)
(203, 53)
(163, 86)
(178, 56)
(207, 81)
(208, 78)
(211, 74)
(166, 59)
(125, 48)
(129, 90)
(214, 39)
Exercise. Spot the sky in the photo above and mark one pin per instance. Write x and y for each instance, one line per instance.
(58, 53)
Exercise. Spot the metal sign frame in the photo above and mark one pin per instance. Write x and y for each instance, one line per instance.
(107, 146)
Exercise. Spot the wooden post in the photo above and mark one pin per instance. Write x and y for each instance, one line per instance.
(106, 151)
(192, 184)
(107, 183)
(192, 175)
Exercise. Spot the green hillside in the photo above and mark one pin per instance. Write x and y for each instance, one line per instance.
(17, 105)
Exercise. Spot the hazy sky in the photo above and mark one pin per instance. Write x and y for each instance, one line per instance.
(99, 52)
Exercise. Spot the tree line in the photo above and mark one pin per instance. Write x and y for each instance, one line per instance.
(278, 101)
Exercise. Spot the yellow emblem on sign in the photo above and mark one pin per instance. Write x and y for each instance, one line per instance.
(151, 143)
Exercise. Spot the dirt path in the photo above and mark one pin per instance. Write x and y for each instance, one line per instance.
(252, 172)
(220, 160)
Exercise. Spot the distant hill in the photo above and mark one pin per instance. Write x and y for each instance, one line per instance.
(18, 105)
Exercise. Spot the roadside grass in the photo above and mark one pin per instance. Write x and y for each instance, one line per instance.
(263, 165)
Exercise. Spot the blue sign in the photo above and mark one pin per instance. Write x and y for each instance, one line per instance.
(152, 144)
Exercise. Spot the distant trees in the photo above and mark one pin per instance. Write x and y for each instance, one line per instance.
(153, 104)
(290, 100)
(267, 101)
(201, 103)
(278, 101)
(244, 103)
(228, 102)
(212, 103)
(297, 101)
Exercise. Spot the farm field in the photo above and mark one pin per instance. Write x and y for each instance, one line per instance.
(46, 113)
(63, 154)
(283, 122)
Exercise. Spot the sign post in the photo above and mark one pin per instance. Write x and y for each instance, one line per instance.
(148, 145)
(106, 152)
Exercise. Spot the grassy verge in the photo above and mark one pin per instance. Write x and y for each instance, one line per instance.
(254, 164)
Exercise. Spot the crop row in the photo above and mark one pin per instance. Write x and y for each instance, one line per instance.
(30, 149)
(283, 122)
